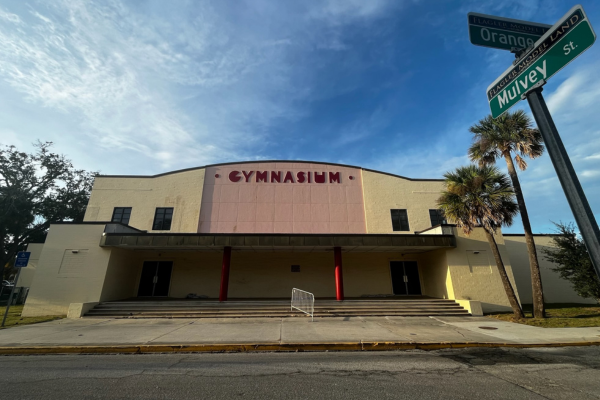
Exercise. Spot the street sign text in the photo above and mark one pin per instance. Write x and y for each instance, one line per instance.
(567, 39)
(503, 33)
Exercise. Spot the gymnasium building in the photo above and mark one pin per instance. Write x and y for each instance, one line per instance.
(252, 231)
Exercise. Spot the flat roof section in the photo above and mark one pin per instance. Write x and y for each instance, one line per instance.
(278, 242)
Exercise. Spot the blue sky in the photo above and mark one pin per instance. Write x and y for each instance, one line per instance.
(143, 87)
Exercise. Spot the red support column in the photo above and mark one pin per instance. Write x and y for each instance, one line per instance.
(339, 276)
(225, 273)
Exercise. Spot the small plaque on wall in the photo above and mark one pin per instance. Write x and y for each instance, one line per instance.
(295, 268)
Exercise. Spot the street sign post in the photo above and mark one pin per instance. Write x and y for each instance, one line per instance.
(21, 262)
(560, 45)
(503, 33)
(586, 222)
(566, 40)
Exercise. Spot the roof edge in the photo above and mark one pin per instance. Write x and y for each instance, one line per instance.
(534, 234)
(267, 161)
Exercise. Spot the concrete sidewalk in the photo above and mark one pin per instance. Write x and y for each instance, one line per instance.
(290, 332)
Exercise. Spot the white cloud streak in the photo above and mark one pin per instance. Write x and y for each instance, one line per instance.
(179, 86)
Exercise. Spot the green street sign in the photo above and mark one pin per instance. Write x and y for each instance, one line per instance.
(503, 33)
(566, 40)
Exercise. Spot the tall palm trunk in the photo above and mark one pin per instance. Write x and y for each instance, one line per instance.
(510, 292)
(539, 310)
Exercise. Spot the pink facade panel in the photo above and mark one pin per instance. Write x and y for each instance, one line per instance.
(282, 198)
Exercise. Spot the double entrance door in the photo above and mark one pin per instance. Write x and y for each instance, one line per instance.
(155, 279)
(405, 277)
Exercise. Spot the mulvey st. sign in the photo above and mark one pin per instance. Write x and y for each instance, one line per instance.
(566, 40)
(503, 33)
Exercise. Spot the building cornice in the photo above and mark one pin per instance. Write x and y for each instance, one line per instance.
(268, 161)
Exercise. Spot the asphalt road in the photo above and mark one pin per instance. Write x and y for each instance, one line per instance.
(556, 373)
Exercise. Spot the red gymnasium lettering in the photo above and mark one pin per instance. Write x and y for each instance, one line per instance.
(285, 177)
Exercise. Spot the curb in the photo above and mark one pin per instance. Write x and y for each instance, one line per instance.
(273, 347)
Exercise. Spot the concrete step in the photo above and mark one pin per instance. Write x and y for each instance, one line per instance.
(280, 308)
(370, 307)
(237, 303)
(354, 312)
(272, 315)
(287, 304)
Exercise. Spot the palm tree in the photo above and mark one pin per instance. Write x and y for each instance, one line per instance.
(482, 196)
(513, 133)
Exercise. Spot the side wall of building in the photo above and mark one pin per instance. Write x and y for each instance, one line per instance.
(72, 269)
(474, 272)
(556, 289)
(181, 190)
(122, 276)
(435, 275)
(384, 192)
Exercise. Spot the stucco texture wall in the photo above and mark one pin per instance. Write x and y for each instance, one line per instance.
(556, 290)
(435, 274)
(122, 275)
(384, 192)
(72, 269)
(180, 190)
(268, 274)
(474, 272)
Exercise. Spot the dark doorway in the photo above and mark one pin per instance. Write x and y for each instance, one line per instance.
(156, 278)
(405, 277)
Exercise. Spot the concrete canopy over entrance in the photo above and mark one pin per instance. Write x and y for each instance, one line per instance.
(279, 242)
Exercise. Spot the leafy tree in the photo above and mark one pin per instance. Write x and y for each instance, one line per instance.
(482, 196)
(508, 135)
(36, 190)
(573, 261)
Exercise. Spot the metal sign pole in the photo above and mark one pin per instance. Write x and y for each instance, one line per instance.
(566, 175)
(12, 292)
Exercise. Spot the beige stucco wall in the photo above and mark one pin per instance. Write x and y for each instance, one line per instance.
(435, 274)
(122, 276)
(268, 274)
(556, 290)
(27, 273)
(63, 277)
(183, 191)
(180, 190)
(106, 275)
(385, 192)
(479, 282)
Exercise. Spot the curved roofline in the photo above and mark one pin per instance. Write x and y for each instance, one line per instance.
(266, 161)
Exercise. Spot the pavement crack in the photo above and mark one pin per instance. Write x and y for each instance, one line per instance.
(280, 330)
(170, 332)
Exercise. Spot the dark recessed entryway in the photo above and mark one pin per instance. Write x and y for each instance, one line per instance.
(405, 277)
(156, 278)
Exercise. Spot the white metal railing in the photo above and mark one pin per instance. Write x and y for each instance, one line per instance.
(303, 301)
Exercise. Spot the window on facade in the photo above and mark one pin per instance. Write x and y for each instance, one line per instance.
(121, 214)
(437, 217)
(162, 219)
(400, 220)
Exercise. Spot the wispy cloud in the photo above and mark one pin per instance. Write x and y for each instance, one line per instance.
(136, 81)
